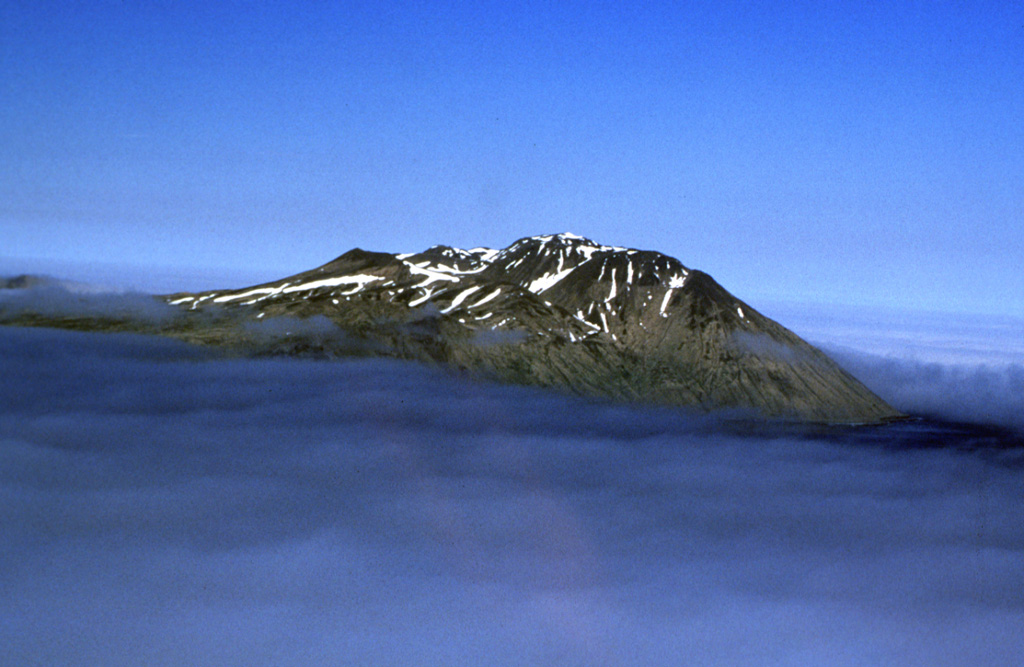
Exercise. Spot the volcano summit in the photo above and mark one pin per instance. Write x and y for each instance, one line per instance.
(558, 311)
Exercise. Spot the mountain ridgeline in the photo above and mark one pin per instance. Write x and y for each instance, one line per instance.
(557, 311)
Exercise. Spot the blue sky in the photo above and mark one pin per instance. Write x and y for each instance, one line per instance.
(831, 152)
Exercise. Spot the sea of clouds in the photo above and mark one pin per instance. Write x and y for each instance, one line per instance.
(949, 366)
(161, 505)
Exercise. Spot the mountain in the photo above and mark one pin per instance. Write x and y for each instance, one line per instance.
(558, 311)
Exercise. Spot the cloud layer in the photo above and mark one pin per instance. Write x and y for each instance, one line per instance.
(163, 507)
(976, 393)
(53, 297)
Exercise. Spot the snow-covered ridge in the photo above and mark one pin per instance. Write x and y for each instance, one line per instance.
(444, 263)
(566, 242)
(450, 277)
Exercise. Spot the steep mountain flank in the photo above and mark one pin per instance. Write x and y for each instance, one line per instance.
(563, 311)
(558, 311)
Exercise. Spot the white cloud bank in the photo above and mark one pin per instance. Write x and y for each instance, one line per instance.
(954, 367)
(162, 508)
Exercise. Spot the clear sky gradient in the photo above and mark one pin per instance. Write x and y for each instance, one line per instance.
(842, 152)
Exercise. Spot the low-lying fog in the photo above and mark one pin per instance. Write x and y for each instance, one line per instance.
(160, 505)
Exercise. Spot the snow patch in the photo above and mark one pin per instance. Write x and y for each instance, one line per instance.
(264, 291)
(614, 290)
(460, 298)
(485, 254)
(487, 298)
(359, 279)
(582, 318)
(418, 300)
(664, 302)
(548, 280)
(431, 275)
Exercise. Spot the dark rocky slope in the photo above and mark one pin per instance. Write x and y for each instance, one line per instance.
(558, 311)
